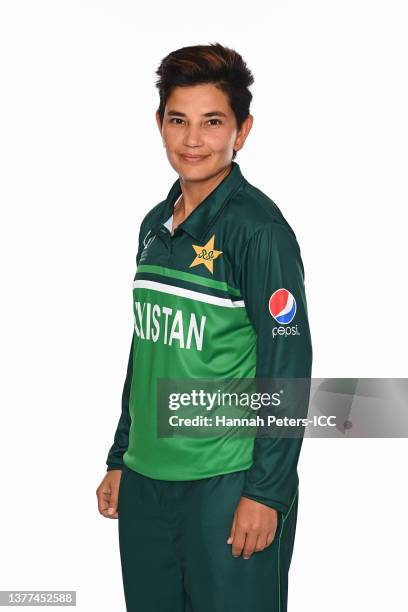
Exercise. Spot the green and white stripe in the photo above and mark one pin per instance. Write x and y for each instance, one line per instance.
(188, 277)
(187, 293)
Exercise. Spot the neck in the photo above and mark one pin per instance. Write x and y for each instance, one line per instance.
(194, 192)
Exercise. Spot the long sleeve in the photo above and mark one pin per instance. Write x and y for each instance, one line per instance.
(121, 439)
(272, 283)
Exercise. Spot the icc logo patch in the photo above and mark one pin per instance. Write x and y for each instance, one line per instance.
(282, 306)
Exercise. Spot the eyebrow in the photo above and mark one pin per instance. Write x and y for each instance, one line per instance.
(210, 114)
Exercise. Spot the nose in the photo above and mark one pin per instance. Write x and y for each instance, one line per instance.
(192, 136)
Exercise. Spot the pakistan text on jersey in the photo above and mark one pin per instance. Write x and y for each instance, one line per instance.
(161, 323)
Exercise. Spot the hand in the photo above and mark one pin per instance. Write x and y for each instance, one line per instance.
(107, 494)
(253, 527)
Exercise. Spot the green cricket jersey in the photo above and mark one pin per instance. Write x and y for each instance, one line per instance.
(222, 298)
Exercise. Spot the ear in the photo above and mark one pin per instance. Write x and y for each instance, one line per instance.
(243, 132)
(158, 121)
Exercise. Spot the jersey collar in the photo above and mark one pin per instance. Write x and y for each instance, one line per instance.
(204, 215)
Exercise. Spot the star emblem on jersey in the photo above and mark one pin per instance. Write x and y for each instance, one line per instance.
(205, 254)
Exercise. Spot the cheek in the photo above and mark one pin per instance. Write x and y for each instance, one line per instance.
(219, 140)
(171, 136)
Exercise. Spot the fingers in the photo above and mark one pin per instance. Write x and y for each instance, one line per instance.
(239, 540)
(250, 544)
(107, 504)
(264, 541)
(270, 538)
(112, 513)
(248, 540)
(232, 532)
(113, 503)
(107, 495)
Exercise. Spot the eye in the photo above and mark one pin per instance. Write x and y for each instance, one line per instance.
(176, 119)
(219, 121)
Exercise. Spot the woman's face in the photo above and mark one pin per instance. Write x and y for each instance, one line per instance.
(199, 131)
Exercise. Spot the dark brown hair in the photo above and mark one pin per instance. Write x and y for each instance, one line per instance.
(211, 63)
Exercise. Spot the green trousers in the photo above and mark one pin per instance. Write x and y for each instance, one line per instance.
(174, 552)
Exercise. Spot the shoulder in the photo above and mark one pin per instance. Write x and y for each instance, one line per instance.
(151, 218)
(154, 213)
(254, 212)
(256, 232)
(256, 224)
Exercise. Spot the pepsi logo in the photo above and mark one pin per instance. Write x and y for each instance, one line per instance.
(282, 306)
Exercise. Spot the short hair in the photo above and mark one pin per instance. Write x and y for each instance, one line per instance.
(212, 63)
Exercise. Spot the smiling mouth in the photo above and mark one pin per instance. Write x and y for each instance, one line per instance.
(193, 158)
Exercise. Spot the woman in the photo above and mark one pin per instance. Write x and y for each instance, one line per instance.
(207, 523)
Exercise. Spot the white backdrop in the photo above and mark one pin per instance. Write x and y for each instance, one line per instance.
(81, 162)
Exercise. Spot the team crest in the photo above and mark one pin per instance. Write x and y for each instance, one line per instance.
(205, 254)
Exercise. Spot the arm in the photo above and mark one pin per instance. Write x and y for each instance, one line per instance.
(272, 261)
(121, 439)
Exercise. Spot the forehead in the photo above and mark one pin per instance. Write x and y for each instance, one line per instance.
(198, 99)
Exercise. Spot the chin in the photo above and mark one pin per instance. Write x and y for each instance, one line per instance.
(193, 175)
(187, 170)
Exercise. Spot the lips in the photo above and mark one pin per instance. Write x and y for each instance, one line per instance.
(193, 158)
